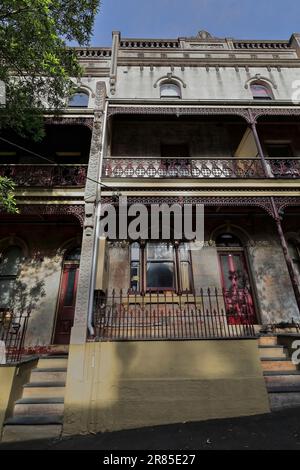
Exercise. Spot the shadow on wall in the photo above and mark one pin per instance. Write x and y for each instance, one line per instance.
(135, 384)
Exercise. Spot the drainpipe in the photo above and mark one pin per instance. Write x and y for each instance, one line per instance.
(283, 242)
(97, 224)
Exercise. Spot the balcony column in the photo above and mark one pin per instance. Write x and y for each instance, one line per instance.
(265, 166)
(283, 242)
(85, 281)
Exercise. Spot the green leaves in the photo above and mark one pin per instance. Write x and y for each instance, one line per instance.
(7, 195)
(35, 63)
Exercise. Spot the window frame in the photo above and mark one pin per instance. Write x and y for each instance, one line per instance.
(11, 277)
(170, 97)
(79, 92)
(266, 86)
(176, 260)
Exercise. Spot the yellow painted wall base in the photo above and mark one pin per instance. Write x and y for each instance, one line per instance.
(114, 386)
(12, 379)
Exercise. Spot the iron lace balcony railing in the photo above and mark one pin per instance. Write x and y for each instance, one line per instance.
(210, 314)
(45, 175)
(13, 329)
(199, 168)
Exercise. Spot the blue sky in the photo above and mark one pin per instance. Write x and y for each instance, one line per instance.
(242, 19)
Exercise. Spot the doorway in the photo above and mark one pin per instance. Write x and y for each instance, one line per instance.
(67, 297)
(236, 280)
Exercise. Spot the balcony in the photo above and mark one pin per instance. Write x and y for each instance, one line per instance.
(46, 176)
(248, 168)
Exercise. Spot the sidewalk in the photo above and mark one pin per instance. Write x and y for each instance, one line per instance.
(280, 430)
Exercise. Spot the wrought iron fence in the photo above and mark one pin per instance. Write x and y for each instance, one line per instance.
(209, 314)
(45, 175)
(198, 168)
(13, 329)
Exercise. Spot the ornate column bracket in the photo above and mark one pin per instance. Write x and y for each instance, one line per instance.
(282, 203)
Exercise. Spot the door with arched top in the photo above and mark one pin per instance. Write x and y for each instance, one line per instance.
(236, 280)
(67, 297)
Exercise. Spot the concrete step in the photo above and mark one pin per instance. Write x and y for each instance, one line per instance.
(41, 407)
(19, 433)
(44, 390)
(279, 379)
(277, 364)
(32, 420)
(282, 400)
(272, 351)
(52, 362)
(267, 340)
(284, 388)
(48, 375)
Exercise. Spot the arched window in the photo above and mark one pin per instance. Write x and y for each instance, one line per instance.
(170, 90)
(9, 270)
(294, 254)
(80, 99)
(261, 91)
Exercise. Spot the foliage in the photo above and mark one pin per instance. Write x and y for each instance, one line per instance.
(36, 63)
(7, 195)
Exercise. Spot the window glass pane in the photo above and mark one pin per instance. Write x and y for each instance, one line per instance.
(69, 297)
(160, 275)
(6, 292)
(260, 91)
(135, 276)
(159, 251)
(170, 90)
(135, 252)
(184, 251)
(10, 263)
(79, 100)
(185, 276)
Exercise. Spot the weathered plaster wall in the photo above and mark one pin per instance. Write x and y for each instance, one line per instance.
(119, 268)
(275, 294)
(227, 83)
(113, 386)
(12, 379)
(205, 139)
(40, 273)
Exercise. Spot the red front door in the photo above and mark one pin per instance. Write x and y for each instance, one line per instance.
(66, 304)
(238, 295)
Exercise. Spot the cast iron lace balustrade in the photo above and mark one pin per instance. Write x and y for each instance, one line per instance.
(13, 327)
(45, 175)
(198, 168)
(209, 314)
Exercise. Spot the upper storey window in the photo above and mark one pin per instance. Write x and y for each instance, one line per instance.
(261, 91)
(170, 90)
(80, 99)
